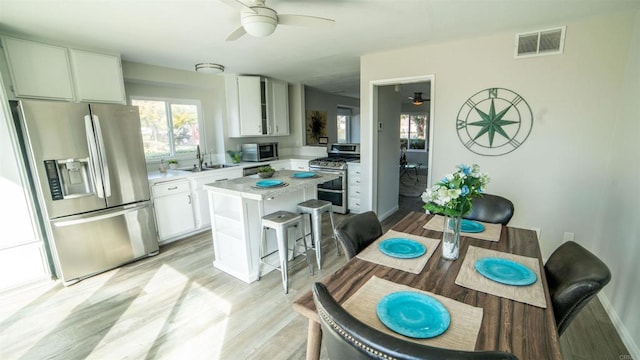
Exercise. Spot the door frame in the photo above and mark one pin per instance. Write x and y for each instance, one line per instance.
(373, 108)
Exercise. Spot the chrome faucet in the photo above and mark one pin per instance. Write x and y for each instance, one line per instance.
(199, 157)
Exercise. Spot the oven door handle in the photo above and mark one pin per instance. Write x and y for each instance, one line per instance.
(330, 191)
(334, 172)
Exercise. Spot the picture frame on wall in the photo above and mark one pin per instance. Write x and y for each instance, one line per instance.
(316, 127)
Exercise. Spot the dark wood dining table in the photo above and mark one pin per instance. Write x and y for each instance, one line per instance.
(527, 331)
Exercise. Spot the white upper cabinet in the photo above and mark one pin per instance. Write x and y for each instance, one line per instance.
(45, 71)
(97, 77)
(257, 106)
(251, 100)
(38, 70)
(278, 106)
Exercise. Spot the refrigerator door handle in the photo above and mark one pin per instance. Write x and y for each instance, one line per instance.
(83, 219)
(96, 173)
(103, 156)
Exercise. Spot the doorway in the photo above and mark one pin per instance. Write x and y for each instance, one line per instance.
(403, 111)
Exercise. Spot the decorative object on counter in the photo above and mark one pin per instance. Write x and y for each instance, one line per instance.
(173, 164)
(163, 166)
(209, 68)
(316, 127)
(266, 171)
(451, 197)
(236, 156)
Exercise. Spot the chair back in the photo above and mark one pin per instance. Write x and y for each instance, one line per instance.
(575, 276)
(491, 209)
(346, 337)
(357, 232)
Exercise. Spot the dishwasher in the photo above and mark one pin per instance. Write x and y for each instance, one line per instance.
(252, 170)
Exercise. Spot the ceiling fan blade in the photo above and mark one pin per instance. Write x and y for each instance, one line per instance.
(303, 20)
(236, 34)
(239, 5)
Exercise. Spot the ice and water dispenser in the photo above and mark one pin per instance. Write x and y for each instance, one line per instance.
(69, 178)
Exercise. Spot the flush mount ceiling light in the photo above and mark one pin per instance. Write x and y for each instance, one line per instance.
(209, 68)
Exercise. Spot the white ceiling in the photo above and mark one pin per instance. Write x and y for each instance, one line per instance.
(181, 33)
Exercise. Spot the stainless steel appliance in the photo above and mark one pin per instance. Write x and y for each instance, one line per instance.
(260, 152)
(86, 164)
(336, 163)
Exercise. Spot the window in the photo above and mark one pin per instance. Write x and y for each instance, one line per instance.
(413, 132)
(344, 125)
(169, 128)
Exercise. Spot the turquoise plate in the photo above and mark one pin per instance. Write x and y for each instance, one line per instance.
(413, 314)
(470, 226)
(304, 175)
(269, 183)
(505, 271)
(402, 248)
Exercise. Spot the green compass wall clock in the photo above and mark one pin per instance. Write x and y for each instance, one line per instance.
(494, 122)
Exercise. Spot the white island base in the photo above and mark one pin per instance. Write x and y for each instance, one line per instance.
(237, 208)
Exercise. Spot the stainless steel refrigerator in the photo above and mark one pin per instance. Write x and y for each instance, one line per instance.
(86, 165)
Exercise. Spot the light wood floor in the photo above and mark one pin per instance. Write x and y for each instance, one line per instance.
(177, 306)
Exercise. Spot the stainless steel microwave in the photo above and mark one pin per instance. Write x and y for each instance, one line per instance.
(260, 152)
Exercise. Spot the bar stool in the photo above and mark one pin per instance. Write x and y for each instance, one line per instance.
(315, 208)
(281, 221)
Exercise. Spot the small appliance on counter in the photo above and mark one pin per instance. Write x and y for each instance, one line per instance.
(260, 152)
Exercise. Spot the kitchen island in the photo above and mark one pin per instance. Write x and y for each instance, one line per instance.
(237, 207)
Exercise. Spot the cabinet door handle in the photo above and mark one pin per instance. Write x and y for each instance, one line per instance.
(172, 188)
(189, 199)
(221, 180)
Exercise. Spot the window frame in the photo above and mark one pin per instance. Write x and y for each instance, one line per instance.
(426, 129)
(347, 113)
(167, 103)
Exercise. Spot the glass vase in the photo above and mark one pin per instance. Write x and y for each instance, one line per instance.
(451, 237)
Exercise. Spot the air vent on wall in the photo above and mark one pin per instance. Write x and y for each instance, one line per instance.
(538, 43)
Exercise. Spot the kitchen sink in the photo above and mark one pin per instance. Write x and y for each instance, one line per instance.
(206, 168)
(219, 166)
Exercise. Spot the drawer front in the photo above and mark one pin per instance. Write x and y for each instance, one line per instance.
(170, 188)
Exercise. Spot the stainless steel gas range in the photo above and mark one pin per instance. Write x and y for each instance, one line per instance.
(336, 163)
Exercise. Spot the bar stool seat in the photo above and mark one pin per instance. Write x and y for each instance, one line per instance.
(315, 208)
(281, 221)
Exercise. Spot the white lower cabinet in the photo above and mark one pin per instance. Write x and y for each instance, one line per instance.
(299, 165)
(173, 207)
(353, 187)
(201, 198)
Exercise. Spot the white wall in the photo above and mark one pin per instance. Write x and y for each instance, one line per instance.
(617, 229)
(389, 109)
(558, 179)
(315, 99)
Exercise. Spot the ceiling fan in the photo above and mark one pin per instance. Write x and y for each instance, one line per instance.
(260, 21)
(417, 99)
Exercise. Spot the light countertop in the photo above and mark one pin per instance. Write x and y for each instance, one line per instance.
(156, 176)
(245, 186)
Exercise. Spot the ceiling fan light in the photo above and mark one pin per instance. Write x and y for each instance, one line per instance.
(259, 28)
(209, 68)
(260, 24)
(417, 99)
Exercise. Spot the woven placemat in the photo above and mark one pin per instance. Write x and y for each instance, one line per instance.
(461, 334)
(491, 231)
(373, 254)
(470, 278)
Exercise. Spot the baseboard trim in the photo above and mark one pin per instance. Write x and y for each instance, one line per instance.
(626, 338)
(388, 213)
